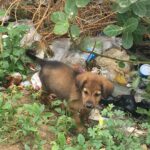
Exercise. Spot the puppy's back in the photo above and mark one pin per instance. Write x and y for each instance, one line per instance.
(56, 77)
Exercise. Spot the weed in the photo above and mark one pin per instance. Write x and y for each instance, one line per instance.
(21, 122)
(112, 135)
(12, 57)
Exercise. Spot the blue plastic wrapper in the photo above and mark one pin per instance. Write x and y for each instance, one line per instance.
(88, 57)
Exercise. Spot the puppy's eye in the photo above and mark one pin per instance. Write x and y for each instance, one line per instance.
(85, 91)
(97, 94)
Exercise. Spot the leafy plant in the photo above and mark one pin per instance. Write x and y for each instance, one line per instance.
(61, 143)
(64, 20)
(12, 57)
(132, 21)
(18, 121)
(8, 111)
(112, 134)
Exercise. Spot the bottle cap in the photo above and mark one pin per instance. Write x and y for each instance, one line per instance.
(145, 70)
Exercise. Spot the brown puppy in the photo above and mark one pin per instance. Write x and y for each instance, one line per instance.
(83, 91)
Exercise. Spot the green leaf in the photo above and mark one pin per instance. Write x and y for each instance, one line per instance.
(148, 138)
(2, 73)
(138, 33)
(1, 102)
(58, 16)
(139, 9)
(88, 43)
(7, 106)
(58, 110)
(75, 31)
(131, 24)
(133, 57)
(70, 148)
(2, 12)
(121, 64)
(20, 66)
(35, 108)
(122, 18)
(5, 53)
(124, 3)
(56, 103)
(17, 52)
(119, 9)
(61, 28)
(81, 139)
(3, 29)
(70, 8)
(55, 146)
(148, 11)
(82, 3)
(61, 139)
(21, 28)
(5, 64)
(136, 82)
(141, 29)
(112, 30)
(133, 1)
(127, 40)
(26, 147)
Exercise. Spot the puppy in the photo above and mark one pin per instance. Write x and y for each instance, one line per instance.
(83, 91)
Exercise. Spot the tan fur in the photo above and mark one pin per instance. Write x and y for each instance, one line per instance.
(77, 89)
(83, 91)
(93, 87)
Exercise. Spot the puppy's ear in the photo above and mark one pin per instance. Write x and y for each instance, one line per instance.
(107, 87)
(80, 81)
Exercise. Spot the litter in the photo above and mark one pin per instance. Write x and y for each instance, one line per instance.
(66, 52)
(36, 82)
(63, 52)
(95, 115)
(31, 35)
(25, 84)
(126, 103)
(145, 70)
(112, 67)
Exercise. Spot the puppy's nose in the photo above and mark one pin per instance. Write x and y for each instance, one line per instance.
(89, 104)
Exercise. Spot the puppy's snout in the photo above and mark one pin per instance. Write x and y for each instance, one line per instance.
(89, 104)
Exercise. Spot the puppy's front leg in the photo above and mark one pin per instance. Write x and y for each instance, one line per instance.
(80, 126)
(75, 107)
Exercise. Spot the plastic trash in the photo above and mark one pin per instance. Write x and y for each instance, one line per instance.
(36, 82)
(111, 67)
(31, 35)
(144, 70)
(120, 90)
(25, 84)
(65, 51)
(95, 115)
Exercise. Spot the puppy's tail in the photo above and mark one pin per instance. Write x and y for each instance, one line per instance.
(32, 54)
